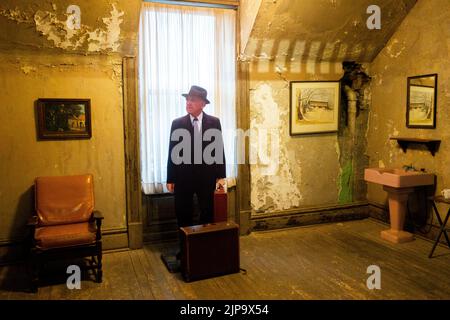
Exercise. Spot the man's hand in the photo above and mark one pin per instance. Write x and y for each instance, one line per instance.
(220, 184)
(170, 187)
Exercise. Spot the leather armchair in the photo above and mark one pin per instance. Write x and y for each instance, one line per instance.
(65, 224)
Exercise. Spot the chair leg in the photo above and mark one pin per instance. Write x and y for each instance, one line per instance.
(442, 230)
(442, 223)
(435, 243)
(99, 263)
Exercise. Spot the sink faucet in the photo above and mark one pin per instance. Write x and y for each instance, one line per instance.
(409, 168)
(412, 168)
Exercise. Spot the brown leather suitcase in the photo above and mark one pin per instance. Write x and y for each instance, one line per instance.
(220, 206)
(209, 250)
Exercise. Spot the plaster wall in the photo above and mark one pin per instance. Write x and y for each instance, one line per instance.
(421, 45)
(41, 57)
(301, 41)
(304, 170)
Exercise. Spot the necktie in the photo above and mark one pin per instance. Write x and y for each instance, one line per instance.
(197, 143)
(195, 124)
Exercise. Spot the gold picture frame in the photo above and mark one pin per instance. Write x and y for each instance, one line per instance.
(63, 119)
(314, 107)
(421, 101)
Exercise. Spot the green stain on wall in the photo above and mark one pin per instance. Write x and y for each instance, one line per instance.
(346, 184)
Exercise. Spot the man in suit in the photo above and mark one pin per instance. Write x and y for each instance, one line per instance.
(196, 162)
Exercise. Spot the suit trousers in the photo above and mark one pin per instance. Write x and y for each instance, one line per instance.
(184, 196)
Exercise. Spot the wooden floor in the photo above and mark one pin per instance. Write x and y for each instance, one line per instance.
(317, 262)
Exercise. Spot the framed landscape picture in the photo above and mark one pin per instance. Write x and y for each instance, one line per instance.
(421, 102)
(314, 107)
(61, 119)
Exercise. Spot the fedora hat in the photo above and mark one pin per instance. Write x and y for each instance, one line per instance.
(197, 91)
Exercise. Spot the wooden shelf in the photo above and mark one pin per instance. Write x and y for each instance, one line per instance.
(432, 144)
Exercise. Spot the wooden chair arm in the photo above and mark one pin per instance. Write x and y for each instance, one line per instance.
(97, 215)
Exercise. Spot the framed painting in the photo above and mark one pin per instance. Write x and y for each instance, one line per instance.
(62, 119)
(421, 102)
(314, 107)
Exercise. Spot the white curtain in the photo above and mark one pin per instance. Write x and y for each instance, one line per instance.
(181, 46)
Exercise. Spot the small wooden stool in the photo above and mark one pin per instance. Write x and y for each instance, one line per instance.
(443, 229)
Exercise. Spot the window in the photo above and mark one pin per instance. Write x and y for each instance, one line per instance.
(181, 46)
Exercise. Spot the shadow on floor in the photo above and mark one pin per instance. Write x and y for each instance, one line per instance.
(16, 278)
(169, 257)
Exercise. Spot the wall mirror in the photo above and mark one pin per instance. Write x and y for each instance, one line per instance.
(421, 101)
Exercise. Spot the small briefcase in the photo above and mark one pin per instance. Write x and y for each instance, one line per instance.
(209, 250)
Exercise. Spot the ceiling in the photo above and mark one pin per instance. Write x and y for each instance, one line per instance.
(321, 30)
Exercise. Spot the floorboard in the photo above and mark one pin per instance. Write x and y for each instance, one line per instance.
(327, 261)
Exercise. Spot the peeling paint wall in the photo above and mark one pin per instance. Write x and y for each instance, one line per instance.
(419, 46)
(65, 36)
(40, 57)
(104, 26)
(309, 171)
(272, 172)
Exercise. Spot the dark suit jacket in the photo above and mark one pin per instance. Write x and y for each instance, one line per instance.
(186, 174)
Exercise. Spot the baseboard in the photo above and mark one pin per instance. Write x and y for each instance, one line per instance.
(309, 216)
(159, 237)
(379, 212)
(12, 251)
(113, 239)
(16, 250)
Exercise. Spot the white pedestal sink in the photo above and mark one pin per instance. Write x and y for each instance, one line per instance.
(399, 184)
